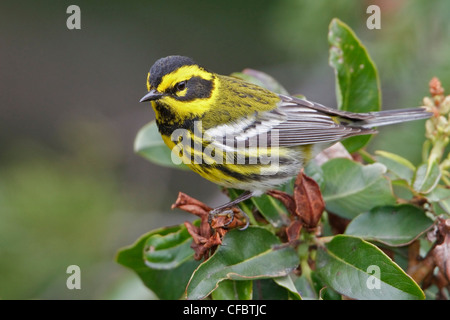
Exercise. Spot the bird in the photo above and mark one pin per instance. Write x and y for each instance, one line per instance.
(240, 135)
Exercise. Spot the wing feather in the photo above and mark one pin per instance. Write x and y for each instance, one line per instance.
(295, 122)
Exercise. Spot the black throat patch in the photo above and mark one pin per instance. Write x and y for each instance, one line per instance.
(168, 122)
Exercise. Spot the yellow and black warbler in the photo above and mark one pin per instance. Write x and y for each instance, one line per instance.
(240, 135)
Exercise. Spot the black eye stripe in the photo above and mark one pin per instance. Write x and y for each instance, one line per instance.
(197, 88)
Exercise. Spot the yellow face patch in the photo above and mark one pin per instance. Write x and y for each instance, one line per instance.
(188, 109)
(148, 81)
(181, 93)
(197, 107)
(182, 74)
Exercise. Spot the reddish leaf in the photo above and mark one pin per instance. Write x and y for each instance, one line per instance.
(309, 201)
(293, 230)
(287, 200)
(209, 235)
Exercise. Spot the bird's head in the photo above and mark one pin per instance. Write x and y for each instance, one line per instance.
(181, 85)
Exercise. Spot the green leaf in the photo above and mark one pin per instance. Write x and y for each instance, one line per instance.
(287, 283)
(157, 280)
(305, 288)
(267, 289)
(427, 177)
(350, 188)
(360, 270)
(233, 290)
(271, 209)
(261, 79)
(402, 189)
(323, 291)
(391, 225)
(150, 145)
(440, 196)
(357, 82)
(242, 256)
(400, 166)
(168, 251)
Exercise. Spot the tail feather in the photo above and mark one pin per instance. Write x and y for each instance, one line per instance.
(387, 117)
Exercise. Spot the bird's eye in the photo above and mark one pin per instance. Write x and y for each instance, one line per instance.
(181, 85)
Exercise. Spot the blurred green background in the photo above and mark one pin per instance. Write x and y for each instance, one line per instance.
(71, 189)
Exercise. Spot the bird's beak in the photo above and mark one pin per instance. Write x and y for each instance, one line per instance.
(151, 95)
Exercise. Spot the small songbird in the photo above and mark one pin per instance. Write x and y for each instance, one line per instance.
(240, 135)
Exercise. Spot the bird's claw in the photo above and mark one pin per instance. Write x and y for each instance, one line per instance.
(228, 213)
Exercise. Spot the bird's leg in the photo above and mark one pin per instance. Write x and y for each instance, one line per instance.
(225, 209)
